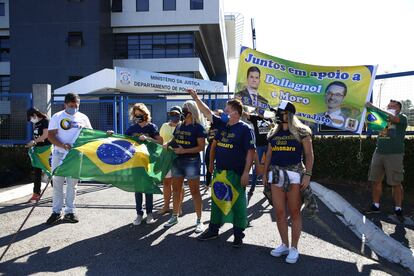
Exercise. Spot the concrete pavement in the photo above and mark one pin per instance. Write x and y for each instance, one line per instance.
(105, 243)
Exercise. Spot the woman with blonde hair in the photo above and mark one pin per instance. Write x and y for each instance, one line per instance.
(188, 142)
(289, 141)
(142, 128)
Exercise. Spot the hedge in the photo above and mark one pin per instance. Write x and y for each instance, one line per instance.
(335, 161)
(14, 165)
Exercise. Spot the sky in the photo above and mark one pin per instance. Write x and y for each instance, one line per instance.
(319, 32)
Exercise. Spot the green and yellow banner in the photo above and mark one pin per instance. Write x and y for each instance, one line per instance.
(330, 95)
(377, 119)
(228, 199)
(123, 161)
(41, 158)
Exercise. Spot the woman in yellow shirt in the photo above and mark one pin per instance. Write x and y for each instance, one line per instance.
(166, 132)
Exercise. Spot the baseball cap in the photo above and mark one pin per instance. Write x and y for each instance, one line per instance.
(175, 109)
(285, 106)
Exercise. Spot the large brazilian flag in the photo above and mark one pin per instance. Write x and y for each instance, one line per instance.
(377, 119)
(228, 202)
(41, 158)
(120, 160)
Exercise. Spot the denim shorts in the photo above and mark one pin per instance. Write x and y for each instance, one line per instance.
(187, 167)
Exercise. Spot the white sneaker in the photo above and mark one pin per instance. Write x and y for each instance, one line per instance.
(150, 219)
(138, 220)
(280, 250)
(199, 228)
(293, 256)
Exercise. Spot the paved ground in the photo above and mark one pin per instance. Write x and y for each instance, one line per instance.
(105, 243)
(360, 198)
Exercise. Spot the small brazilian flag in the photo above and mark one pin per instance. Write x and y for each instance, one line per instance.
(377, 119)
(41, 158)
(228, 199)
(123, 161)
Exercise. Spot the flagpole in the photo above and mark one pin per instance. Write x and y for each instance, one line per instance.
(25, 220)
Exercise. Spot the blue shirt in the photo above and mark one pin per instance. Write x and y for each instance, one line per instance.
(286, 150)
(233, 143)
(149, 130)
(186, 136)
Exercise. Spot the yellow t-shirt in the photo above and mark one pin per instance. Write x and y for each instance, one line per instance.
(166, 132)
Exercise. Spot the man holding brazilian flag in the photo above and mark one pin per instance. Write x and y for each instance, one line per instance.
(233, 149)
(123, 161)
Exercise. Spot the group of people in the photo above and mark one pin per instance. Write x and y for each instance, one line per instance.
(282, 147)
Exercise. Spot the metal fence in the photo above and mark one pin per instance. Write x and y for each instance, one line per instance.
(14, 128)
(110, 112)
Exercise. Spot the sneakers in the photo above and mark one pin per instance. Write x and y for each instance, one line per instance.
(199, 228)
(207, 235)
(399, 214)
(280, 250)
(293, 256)
(138, 220)
(150, 219)
(72, 218)
(237, 242)
(373, 210)
(35, 198)
(172, 221)
(54, 218)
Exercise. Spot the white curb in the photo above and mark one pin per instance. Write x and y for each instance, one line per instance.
(24, 190)
(382, 244)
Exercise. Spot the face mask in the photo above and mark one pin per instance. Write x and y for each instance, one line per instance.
(225, 117)
(34, 120)
(71, 110)
(174, 118)
(392, 111)
(279, 117)
(139, 118)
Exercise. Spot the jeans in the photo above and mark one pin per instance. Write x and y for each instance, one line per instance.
(237, 231)
(37, 180)
(148, 203)
(261, 150)
(207, 161)
(58, 181)
(187, 167)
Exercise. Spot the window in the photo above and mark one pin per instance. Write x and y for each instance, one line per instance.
(4, 48)
(116, 5)
(75, 39)
(4, 83)
(142, 5)
(169, 5)
(2, 9)
(74, 78)
(154, 45)
(196, 4)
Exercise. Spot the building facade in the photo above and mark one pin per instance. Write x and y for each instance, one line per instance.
(61, 41)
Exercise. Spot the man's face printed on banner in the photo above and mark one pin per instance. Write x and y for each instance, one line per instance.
(334, 96)
(253, 80)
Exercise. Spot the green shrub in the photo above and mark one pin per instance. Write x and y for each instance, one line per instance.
(15, 165)
(336, 159)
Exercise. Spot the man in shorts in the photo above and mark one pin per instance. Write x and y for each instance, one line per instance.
(388, 159)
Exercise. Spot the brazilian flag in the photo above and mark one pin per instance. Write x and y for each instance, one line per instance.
(41, 158)
(228, 202)
(377, 119)
(123, 161)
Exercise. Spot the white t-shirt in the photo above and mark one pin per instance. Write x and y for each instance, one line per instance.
(68, 126)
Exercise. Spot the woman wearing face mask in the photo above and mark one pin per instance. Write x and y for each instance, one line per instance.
(40, 126)
(145, 130)
(289, 142)
(188, 142)
(166, 132)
